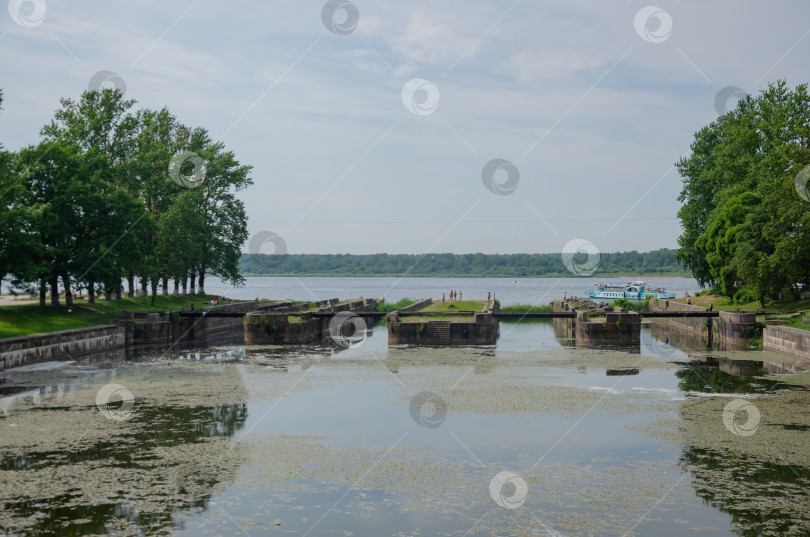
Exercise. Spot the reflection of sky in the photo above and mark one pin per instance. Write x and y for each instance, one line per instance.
(357, 402)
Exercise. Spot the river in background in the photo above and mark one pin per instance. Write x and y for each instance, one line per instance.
(373, 440)
(508, 290)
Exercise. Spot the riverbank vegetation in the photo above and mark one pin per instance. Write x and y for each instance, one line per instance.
(661, 262)
(24, 320)
(724, 303)
(111, 194)
(746, 208)
(527, 308)
(451, 306)
(382, 305)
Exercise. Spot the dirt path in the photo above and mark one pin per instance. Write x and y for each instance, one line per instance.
(11, 300)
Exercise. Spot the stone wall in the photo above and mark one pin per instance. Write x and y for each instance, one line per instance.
(563, 328)
(158, 330)
(483, 331)
(618, 328)
(731, 330)
(66, 344)
(417, 305)
(275, 329)
(792, 341)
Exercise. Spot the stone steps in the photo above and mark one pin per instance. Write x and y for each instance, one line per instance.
(440, 329)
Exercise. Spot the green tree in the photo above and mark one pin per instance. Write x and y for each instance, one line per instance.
(222, 214)
(743, 223)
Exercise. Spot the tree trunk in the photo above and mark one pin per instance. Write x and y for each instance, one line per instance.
(202, 281)
(143, 286)
(107, 294)
(185, 284)
(91, 292)
(154, 290)
(43, 291)
(131, 284)
(54, 290)
(68, 290)
(119, 290)
(176, 286)
(165, 286)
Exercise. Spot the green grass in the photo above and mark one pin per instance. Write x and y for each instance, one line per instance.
(456, 305)
(428, 318)
(394, 306)
(724, 304)
(633, 305)
(797, 322)
(523, 308)
(29, 319)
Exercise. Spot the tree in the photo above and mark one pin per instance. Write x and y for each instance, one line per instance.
(743, 223)
(82, 219)
(224, 222)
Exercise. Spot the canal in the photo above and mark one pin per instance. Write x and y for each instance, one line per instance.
(527, 437)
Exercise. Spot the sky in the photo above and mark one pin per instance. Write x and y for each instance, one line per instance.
(501, 126)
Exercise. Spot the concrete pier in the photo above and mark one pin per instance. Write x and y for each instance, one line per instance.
(442, 329)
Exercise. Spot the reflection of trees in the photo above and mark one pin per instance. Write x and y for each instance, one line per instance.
(713, 380)
(762, 498)
(170, 460)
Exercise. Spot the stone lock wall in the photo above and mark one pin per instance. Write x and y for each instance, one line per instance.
(438, 332)
(792, 341)
(618, 328)
(275, 329)
(734, 329)
(66, 344)
(731, 330)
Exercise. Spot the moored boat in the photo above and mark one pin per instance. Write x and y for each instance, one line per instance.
(637, 290)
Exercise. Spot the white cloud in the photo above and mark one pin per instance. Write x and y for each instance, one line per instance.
(519, 75)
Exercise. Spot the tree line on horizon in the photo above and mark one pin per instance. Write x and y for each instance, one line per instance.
(662, 262)
(107, 196)
(746, 221)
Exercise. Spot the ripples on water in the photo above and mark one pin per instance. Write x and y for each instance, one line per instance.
(376, 441)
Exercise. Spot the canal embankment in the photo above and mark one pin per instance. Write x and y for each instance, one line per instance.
(65, 344)
(787, 340)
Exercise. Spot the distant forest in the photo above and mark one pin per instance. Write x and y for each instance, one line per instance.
(659, 262)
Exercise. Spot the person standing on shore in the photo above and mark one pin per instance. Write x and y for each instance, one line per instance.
(442, 298)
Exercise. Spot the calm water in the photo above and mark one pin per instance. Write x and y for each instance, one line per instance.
(508, 291)
(372, 440)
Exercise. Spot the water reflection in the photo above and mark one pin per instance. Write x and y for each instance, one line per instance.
(337, 412)
(721, 375)
(763, 498)
(67, 470)
(481, 358)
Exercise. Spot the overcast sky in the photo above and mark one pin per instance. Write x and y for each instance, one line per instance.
(591, 103)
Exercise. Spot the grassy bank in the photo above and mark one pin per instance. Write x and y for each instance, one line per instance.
(456, 305)
(394, 306)
(523, 308)
(29, 319)
(721, 303)
(782, 308)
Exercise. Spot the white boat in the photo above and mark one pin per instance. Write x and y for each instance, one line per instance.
(637, 290)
